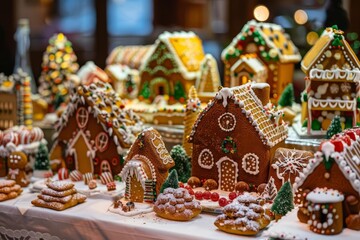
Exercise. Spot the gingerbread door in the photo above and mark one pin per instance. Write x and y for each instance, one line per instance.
(83, 154)
(136, 189)
(228, 171)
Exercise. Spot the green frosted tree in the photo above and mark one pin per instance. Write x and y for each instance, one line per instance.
(145, 91)
(287, 97)
(182, 163)
(42, 161)
(179, 91)
(334, 128)
(284, 200)
(171, 181)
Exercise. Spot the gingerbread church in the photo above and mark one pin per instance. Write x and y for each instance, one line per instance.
(146, 167)
(95, 130)
(272, 45)
(335, 166)
(332, 78)
(245, 132)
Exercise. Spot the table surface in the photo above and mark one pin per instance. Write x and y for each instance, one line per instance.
(92, 220)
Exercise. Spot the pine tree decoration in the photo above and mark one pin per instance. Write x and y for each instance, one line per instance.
(145, 91)
(172, 181)
(179, 91)
(182, 163)
(284, 201)
(42, 161)
(270, 190)
(334, 128)
(59, 67)
(287, 97)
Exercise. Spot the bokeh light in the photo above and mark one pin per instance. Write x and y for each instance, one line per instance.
(300, 17)
(261, 13)
(311, 38)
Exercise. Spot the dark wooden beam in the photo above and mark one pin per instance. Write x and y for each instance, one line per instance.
(101, 34)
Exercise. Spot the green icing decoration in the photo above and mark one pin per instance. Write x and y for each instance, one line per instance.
(334, 128)
(160, 56)
(228, 145)
(145, 91)
(179, 91)
(315, 125)
(305, 123)
(328, 163)
(171, 181)
(287, 97)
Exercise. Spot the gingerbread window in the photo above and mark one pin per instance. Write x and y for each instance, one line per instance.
(82, 117)
(102, 141)
(250, 163)
(227, 122)
(206, 159)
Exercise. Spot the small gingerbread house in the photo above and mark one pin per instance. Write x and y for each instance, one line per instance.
(272, 45)
(123, 66)
(235, 136)
(95, 130)
(335, 166)
(146, 167)
(90, 73)
(173, 65)
(332, 83)
(15, 100)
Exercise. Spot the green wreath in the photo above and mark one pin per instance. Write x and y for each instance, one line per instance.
(228, 145)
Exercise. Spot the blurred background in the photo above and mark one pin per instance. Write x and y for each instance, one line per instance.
(95, 27)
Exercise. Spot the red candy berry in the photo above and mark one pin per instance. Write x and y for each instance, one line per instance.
(207, 195)
(215, 197)
(181, 184)
(223, 202)
(232, 195)
(188, 187)
(191, 192)
(198, 195)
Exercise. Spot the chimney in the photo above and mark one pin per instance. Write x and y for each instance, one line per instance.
(262, 91)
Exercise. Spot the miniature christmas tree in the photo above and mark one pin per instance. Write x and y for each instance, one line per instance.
(179, 92)
(172, 181)
(182, 163)
(59, 67)
(145, 91)
(270, 190)
(287, 97)
(42, 161)
(283, 202)
(334, 128)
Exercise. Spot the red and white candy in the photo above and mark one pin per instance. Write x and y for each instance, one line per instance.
(87, 177)
(76, 176)
(106, 177)
(63, 174)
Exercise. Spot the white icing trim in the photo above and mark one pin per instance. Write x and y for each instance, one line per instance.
(332, 103)
(160, 148)
(200, 162)
(324, 195)
(331, 74)
(232, 116)
(218, 164)
(254, 159)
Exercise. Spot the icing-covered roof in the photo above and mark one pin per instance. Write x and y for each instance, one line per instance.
(249, 104)
(105, 104)
(344, 148)
(274, 36)
(330, 38)
(324, 195)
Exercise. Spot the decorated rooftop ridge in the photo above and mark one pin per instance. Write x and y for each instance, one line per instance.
(324, 195)
(264, 119)
(273, 42)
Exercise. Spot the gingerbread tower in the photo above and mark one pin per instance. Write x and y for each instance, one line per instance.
(192, 111)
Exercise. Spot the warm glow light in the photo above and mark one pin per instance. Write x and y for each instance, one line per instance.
(261, 13)
(300, 17)
(311, 38)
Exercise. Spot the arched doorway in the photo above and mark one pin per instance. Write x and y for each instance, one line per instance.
(228, 173)
(159, 86)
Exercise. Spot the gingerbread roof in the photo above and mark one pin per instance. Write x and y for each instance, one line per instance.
(90, 73)
(331, 39)
(131, 56)
(271, 35)
(252, 62)
(344, 149)
(249, 104)
(209, 66)
(105, 105)
(186, 48)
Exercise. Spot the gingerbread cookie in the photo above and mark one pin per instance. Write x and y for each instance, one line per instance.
(54, 193)
(7, 183)
(16, 163)
(48, 198)
(76, 199)
(60, 185)
(7, 190)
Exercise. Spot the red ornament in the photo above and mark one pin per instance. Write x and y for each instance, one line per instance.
(207, 195)
(199, 195)
(232, 195)
(223, 202)
(215, 197)
(96, 161)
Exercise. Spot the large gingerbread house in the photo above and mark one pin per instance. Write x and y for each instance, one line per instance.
(243, 137)
(335, 166)
(95, 130)
(146, 167)
(272, 45)
(332, 77)
(15, 100)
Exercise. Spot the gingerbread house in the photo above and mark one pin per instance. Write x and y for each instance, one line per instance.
(146, 167)
(15, 100)
(272, 45)
(173, 65)
(95, 130)
(335, 166)
(90, 73)
(123, 66)
(235, 136)
(332, 78)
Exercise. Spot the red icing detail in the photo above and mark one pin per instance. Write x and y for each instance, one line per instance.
(63, 173)
(115, 161)
(109, 124)
(351, 135)
(339, 147)
(96, 161)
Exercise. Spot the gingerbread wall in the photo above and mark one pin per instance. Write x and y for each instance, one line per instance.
(210, 136)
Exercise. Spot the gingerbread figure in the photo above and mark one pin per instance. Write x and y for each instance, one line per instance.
(17, 162)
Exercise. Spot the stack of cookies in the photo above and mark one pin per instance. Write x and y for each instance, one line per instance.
(9, 190)
(246, 215)
(59, 195)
